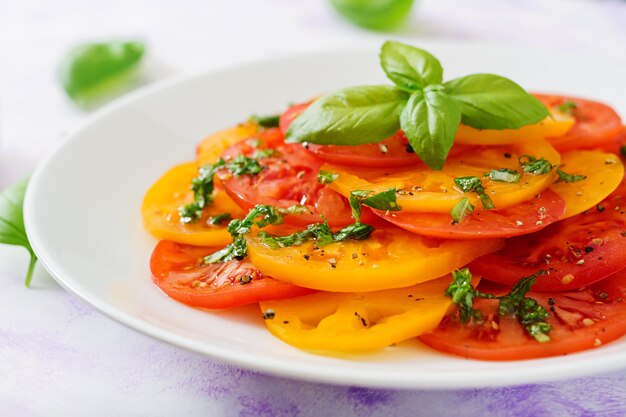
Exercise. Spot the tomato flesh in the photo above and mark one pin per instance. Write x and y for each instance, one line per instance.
(521, 219)
(177, 269)
(288, 178)
(596, 123)
(575, 252)
(580, 320)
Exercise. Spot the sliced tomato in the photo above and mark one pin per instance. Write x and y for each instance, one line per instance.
(389, 258)
(557, 124)
(291, 113)
(580, 319)
(575, 252)
(617, 144)
(521, 219)
(212, 147)
(289, 177)
(178, 271)
(596, 123)
(602, 172)
(423, 190)
(358, 321)
(162, 201)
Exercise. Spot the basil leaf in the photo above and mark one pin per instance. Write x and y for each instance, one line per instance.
(490, 101)
(266, 121)
(430, 121)
(374, 14)
(351, 116)
(503, 175)
(408, 67)
(385, 200)
(12, 231)
(565, 177)
(95, 69)
(461, 209)
(326, 177)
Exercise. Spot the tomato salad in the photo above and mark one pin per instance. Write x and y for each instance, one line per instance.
(484, 220)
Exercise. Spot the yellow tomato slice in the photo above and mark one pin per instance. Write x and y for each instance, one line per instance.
(555, 125)
(604, 173)
(425, 190)
(212, 147)
(389, 258)
(358, 321)
(172, 190)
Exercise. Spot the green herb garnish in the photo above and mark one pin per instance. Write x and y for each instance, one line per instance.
(203, 185)
(526, 310)
(12, 231)
(92, 71)
(567, 107)
(504, 175)
(259, 216)
(564, 176)
(266, 121)
(535, 166)
(426, 109)
(469, 184)
(461, 209)
(326, 177)
(220, 218)
(321, 232)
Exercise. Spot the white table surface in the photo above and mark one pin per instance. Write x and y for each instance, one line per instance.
(59, 357)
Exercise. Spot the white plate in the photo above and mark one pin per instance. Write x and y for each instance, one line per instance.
(82, 210)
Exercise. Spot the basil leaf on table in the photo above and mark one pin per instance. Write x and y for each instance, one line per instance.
(430, 121)
(374, 14)
(350, 116)
(12, 231)
(408, 67)
(490, 101)
(96, 69)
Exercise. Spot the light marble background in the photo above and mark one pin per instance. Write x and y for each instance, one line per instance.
(59, 357)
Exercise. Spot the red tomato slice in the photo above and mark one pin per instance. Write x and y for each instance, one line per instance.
(392, 152)
(177, 269)
(521, 219)
(596, 123)
(617, 143)
(289, 177)
(580, 320)
(575, 252)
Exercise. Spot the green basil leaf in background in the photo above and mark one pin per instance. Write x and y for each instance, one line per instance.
(408, 67)
(12, 231)
(430, 121)
(374, 14)
(490, 101)
(351, 116)
(93, 70)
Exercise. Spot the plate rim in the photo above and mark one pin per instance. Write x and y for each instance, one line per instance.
(307, 372)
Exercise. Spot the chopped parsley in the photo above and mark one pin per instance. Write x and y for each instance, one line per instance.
(326, 177)
(469, 184)
(461, 209)
(565, 177)
(535, 166)
(531, 315)
(266, 121)
(503, 175)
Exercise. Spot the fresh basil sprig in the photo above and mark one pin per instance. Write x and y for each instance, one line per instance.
(12, 231)
(421, 104)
